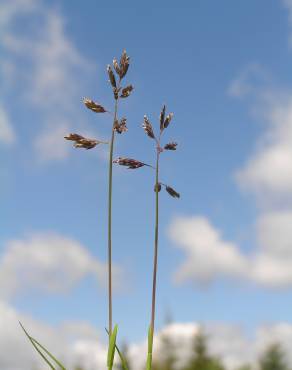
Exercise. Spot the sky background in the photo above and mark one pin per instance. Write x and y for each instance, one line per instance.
(225, 258)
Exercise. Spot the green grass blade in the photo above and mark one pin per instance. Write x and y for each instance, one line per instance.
(36, 348)
(149, 361)
(111, 348)
(150, 347)
(122, 358)
(49, 354)
(150, 339)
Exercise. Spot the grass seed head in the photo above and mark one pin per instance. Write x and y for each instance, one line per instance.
(82, 142)
(162, 117)
(121, 126)
(129, 162)
(126, 91)
(111, 76)
(95, 107)
(124, 64)
(148, 127)
(73, 137)
(116, 66)
(170, 146)
(167, 120)
(172, 192)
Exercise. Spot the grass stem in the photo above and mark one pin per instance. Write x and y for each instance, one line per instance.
(110, 190)
(155, 262)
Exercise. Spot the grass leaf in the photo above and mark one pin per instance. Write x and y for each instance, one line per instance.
(37, 344)
(149, 361)
(36, 348)
(111, 348)
(50, 355)
(122, 358)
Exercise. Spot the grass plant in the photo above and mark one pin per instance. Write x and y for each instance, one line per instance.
(116, 74)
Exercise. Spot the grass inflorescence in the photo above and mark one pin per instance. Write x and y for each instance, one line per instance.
(116, 74)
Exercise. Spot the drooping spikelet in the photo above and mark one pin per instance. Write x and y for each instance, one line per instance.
(130, 163)
(172, 192)
(95, 107)
(170, 146)
(82, 142)
(126, 91)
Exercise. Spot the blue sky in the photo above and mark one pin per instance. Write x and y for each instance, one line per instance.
(223, 68)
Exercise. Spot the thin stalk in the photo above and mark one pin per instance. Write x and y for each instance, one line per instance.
(155, 263)
(110, 190)
(155, 260)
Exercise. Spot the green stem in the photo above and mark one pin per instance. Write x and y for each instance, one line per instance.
(155, 262)
(155, 244)
(110, 190)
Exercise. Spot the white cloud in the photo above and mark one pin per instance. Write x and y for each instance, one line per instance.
(73, 343)
(275, 233)
(273, 260)
(208, 257)
(228, 342)
(48, 263)
(268, 172)
(267, 175)
(54, 70)
(55, 86)
(50, 143)
(180, 336)
(277, 333)
(236, 347)
(54, 60)
(78, 343)
(245, 83)
(288, 5)
(51, 58)
(7, 135)
(11, 8)
(231, 343)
